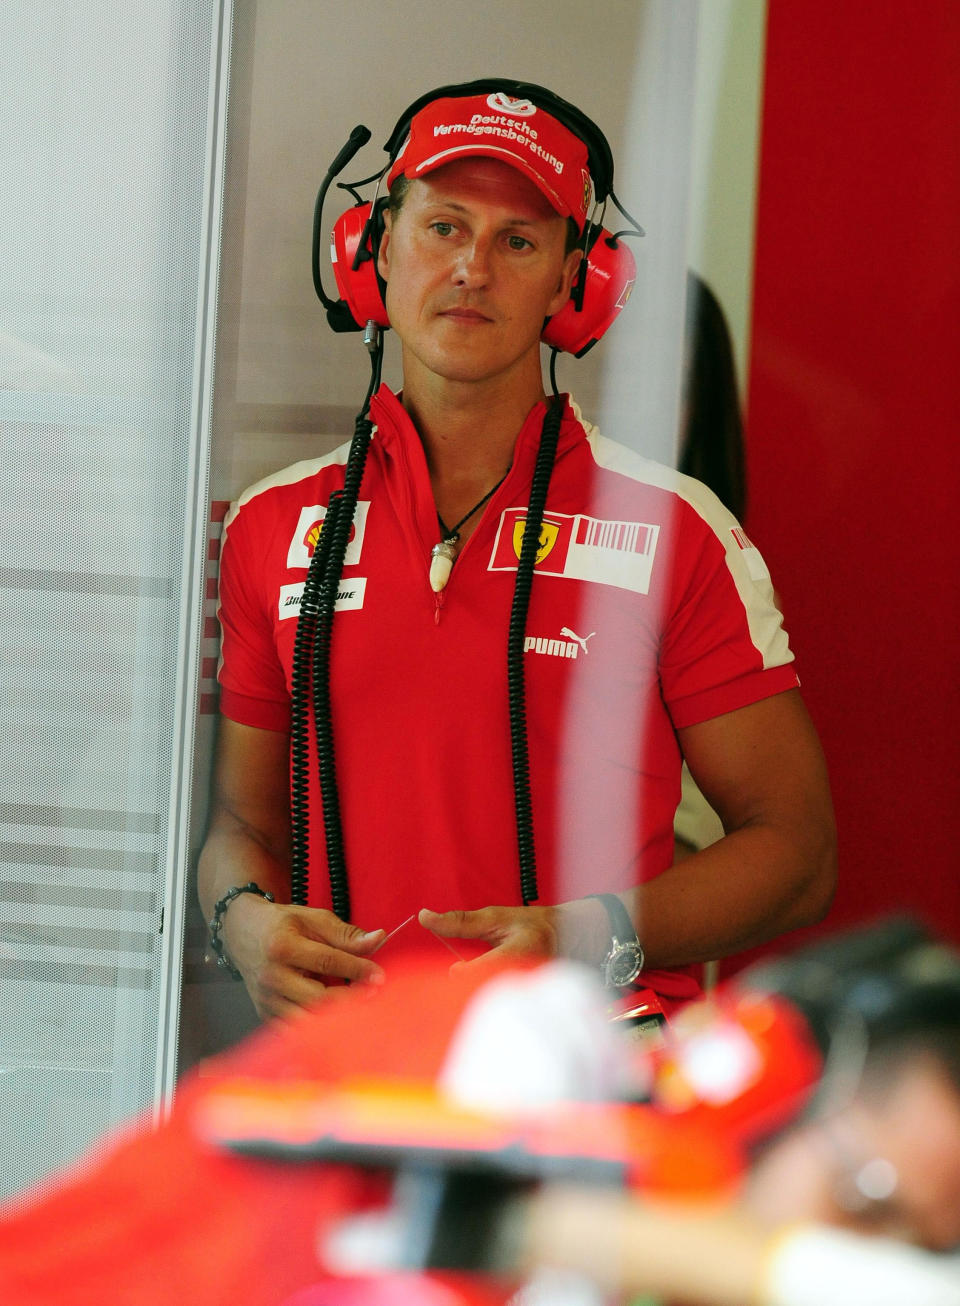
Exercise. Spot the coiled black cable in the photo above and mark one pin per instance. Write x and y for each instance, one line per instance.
(311, 668)
(310, 680)
(300, 699)
(519, 745)
(323, 716)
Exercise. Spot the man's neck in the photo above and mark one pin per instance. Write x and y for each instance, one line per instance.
(468, 429)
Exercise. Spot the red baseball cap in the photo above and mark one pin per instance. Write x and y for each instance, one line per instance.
(498, 126)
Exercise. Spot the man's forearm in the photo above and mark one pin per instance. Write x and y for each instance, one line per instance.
(747, 888)
(234, 855)
(754, 884)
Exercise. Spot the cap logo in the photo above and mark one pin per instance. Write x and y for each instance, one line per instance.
(503, 103)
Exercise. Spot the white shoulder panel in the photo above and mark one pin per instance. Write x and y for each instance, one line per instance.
(744, 561)
(300, 471)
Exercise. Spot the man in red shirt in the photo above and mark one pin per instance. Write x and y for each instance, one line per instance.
(651, 634)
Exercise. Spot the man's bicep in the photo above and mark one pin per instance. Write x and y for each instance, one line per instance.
(762, 769)
(251, 785)
(762, 762)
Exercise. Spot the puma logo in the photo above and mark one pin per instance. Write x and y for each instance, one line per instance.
(580, 639)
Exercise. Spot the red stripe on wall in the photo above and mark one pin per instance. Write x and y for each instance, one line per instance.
(854, 423)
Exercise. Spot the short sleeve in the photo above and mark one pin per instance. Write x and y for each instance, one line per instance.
(724, 645)
(253, 688)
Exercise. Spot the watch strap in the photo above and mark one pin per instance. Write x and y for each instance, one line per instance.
(621, 926)
(624, 960)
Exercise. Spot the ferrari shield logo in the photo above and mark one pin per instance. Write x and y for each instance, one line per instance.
(548, 537)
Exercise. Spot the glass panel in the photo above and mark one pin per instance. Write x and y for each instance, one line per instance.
(287, 388)
(104, 125)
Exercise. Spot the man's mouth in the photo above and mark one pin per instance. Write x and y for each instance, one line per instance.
(466, 315)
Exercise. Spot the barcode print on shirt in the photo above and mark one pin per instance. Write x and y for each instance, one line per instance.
(621, 536)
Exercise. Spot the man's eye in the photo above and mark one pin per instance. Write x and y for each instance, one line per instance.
(443, 228)
(519, 242)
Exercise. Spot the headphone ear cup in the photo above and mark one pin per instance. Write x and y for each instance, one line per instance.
(352, 252)
(609, 276)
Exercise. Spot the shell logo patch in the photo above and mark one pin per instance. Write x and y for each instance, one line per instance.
(306, 535)
(312, 537)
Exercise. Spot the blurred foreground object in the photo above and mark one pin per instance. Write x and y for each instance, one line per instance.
(879, 1146)
(713, 1256)
(356, 1154)
(274, 1152)
(874, 1151)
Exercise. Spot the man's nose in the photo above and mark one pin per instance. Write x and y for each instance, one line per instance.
(472, 268)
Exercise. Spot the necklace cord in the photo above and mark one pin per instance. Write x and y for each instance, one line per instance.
(452, 533)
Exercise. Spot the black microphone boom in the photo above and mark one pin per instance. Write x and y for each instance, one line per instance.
(335, 310)
(356, 141)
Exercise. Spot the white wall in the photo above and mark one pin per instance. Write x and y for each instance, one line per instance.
(725, 158)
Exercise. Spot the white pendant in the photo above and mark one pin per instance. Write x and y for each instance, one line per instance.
(442, 558)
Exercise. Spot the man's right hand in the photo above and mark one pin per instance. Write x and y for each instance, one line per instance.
(289, 955)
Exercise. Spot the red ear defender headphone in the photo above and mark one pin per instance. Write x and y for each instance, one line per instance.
(607, 270)
(355, 265)
(607, 274)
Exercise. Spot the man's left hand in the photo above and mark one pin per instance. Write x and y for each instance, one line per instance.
(576, 929)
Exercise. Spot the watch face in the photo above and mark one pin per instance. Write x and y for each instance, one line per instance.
(623, 964)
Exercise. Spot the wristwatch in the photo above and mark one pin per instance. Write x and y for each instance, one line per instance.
(624, 962)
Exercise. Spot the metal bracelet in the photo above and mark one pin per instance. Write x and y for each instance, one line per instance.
(216, 922)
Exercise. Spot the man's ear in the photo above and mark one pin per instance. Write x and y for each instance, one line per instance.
(383, 253)
(568, 274)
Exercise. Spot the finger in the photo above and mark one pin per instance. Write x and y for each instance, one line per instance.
(295, 1011)
(458, 924)
(343, 992)
(287, 1009)
(357, 941)
(271, 1003)
(326, 962)
(294, 992)
(326, 927)
(284, 987)
(489, 963)
(304, 990)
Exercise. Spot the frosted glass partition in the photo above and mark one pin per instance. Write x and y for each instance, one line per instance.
(109, 122)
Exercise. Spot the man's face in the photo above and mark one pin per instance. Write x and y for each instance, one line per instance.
(888, 1164)
(474, 262)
